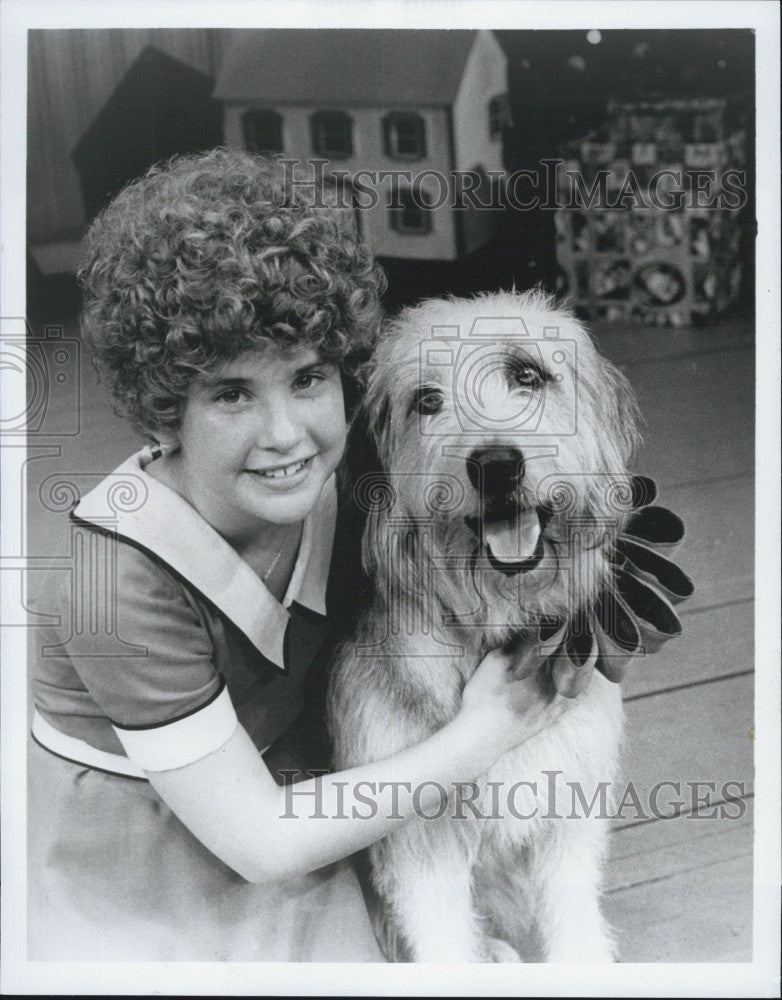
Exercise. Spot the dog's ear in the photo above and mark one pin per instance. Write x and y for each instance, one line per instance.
(353, 386)
(362, 455)
(376, 415)
(360, 459)
(361, 450)
(620, 412)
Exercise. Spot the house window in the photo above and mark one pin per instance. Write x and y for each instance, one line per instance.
(413, 217)
(499, 115)
(262, 131)
(332, 134)
(404, 135)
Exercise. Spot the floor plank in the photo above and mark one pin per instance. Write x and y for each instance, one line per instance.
(651, 851)
(696, 391)
(699, 416)
(704, 915)
(714, 642)
(103, 442)
(629, 344)
(699, 734)
(718, 550)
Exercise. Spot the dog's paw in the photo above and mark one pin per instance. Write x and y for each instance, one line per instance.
(498, 950)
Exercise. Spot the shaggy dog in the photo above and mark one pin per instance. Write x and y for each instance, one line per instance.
(503, 441)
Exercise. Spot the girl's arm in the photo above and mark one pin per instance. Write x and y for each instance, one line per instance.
(231, 803)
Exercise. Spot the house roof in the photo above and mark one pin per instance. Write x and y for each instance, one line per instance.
(344, 66)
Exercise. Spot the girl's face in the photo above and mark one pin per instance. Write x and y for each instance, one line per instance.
(259, 437)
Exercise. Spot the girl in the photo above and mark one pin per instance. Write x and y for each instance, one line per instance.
(228, 312)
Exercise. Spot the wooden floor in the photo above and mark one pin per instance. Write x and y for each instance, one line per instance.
(680, 889)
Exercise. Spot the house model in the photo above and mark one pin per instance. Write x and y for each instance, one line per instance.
(409, 124)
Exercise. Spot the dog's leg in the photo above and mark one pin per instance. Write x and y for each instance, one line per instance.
(435, 908)
(498, 950)
(567, 874)
(424, 875)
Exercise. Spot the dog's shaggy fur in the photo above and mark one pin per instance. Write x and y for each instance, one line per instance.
(503, 440)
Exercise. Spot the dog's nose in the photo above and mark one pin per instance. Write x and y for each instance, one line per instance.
(499, 468)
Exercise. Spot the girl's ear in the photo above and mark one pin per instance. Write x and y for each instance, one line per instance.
(162, 443)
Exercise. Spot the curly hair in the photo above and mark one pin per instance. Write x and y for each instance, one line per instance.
(210, 255)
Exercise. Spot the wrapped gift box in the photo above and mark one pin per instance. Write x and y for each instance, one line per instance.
(652, 264)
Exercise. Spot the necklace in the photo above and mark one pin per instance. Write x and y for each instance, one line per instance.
(274, 562)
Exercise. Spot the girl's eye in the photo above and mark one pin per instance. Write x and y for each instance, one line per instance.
(231, 396)
(307, 379)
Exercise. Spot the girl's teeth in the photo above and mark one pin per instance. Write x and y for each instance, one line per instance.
(281, 473)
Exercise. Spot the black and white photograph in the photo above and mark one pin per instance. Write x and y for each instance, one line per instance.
(390, 507)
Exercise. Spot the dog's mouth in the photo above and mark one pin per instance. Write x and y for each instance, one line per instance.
(511, 533)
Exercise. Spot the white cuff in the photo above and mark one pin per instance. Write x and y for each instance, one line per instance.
(79, 752)
(183, 741)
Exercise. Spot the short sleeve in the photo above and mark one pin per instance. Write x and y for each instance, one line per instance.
(150, 667)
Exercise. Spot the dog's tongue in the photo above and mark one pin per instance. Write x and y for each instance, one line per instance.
(514, 540)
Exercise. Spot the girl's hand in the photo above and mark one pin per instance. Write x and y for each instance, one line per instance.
(511, 698)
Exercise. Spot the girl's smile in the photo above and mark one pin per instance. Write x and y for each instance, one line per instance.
(259, 437)
(283, 472)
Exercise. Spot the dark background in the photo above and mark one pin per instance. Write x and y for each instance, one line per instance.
(559, 86)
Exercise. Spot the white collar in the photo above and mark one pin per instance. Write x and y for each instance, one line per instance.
(145, 511)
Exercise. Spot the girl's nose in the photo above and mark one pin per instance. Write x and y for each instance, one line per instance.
(278, 429)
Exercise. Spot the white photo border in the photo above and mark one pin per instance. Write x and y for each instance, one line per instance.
(757, 978)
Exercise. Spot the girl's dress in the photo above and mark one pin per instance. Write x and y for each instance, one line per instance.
(161, 638)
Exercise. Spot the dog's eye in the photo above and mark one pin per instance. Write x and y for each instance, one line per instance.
(526, 375)
(427, 400)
